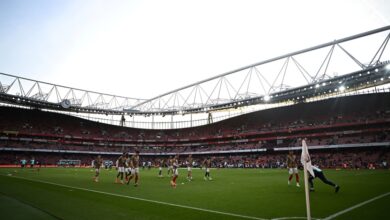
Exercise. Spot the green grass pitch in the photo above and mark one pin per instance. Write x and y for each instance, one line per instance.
(70, 193)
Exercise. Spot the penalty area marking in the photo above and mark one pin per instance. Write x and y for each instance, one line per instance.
(355, 206)
(145, 200)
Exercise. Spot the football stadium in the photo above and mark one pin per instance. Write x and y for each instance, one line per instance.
(298, 134)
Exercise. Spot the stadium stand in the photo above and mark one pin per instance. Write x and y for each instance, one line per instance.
(360, 124)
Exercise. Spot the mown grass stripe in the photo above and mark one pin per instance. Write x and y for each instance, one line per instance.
(142, 199)
(356, 206)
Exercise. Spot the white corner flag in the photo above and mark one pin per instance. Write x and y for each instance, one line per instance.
(307, 167)
(305, 158)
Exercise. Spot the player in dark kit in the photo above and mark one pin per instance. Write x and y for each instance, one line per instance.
(134, 164)
(207, 165)
(189, 167)
(160, 166)
(318, 173)
(170, 166)
(120, 164)
(97, 164)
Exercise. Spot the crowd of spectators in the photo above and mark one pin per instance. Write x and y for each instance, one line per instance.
(329, 113)
(96, 147)
(364, 158)
(340, 121)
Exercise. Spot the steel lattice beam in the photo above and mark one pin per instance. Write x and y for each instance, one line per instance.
(268, 81)
(319, 75)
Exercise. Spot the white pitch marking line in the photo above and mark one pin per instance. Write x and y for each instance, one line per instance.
(285, 218)
(146, 200)
(356, 206)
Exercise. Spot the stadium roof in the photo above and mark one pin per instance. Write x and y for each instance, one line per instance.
(349, 64)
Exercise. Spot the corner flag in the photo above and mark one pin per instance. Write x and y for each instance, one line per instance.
(307, 167)
(305, 158)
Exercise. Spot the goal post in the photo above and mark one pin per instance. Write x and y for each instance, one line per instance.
(69, 163)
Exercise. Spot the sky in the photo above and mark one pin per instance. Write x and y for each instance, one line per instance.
(145, 48)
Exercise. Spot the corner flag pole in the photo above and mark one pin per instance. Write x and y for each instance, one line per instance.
(304, 159)
(307, 192)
